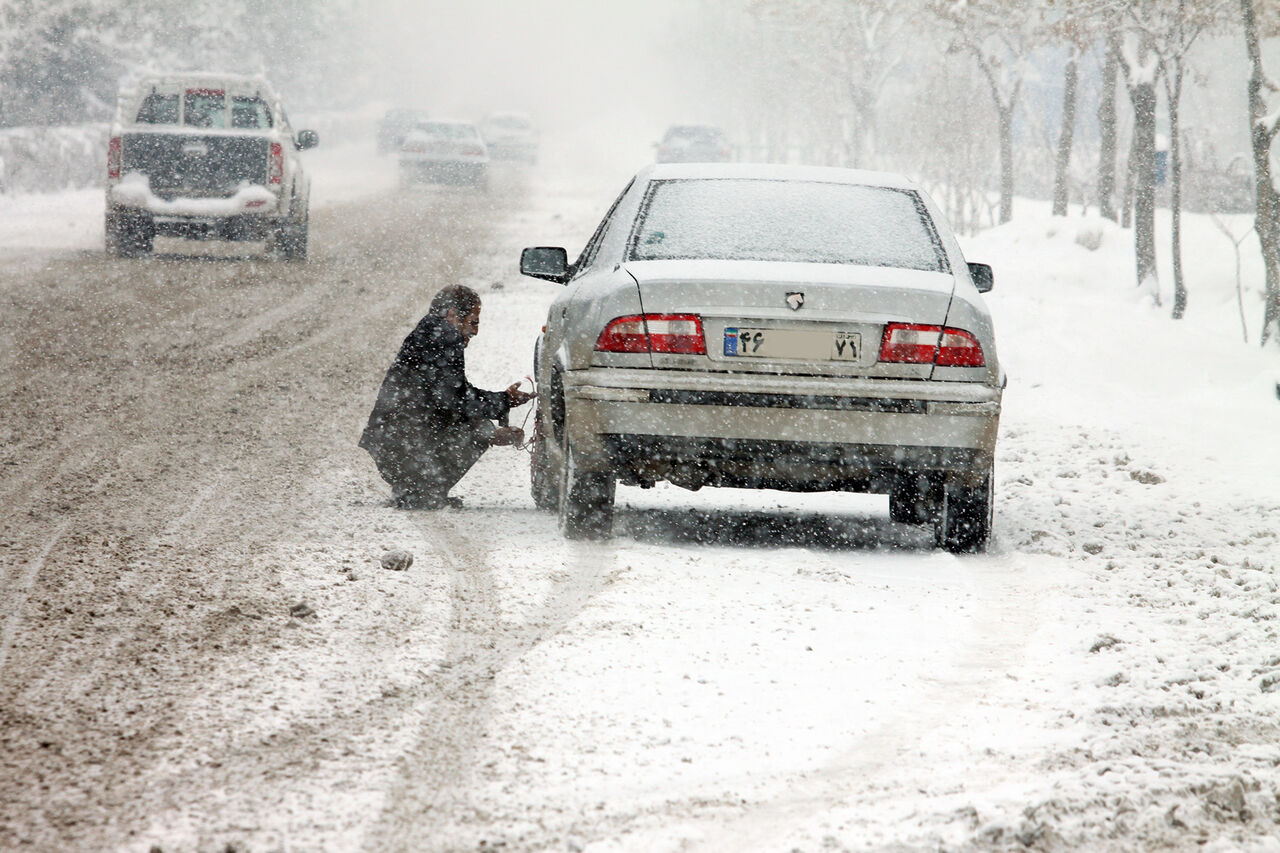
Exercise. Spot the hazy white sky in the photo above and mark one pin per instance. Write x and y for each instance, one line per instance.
(557, 59)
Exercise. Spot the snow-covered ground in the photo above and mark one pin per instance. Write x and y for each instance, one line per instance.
(816, 676)
(763, 671)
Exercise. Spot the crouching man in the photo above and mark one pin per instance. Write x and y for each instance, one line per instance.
(430, 425)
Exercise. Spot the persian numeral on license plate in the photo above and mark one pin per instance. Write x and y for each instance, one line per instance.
(846, 346)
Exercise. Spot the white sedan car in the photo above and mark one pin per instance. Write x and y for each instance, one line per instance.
(444, 151)
(781, 327)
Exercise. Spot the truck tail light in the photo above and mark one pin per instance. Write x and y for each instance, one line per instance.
(913, 343)
(275, 172)
(667, 333)
(114, 156)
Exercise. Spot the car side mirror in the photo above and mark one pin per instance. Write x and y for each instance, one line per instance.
(547, 262)
(983, 278)
(306, 139)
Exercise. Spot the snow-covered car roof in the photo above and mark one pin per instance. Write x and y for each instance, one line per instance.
(450, 121)
(776, 172)
(508, 116)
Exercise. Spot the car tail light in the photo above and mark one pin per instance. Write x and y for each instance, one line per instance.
(472, 151)
(114, 156)
(912, 343)
(668, 333)
(276, 173)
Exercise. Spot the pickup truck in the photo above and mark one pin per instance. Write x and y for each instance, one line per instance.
(205, 157)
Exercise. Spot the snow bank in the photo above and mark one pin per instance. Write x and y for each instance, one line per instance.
(48, 159)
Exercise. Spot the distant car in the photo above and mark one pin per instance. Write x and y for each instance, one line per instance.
(783, 327)
(393, 126)
(510, 136)
(444, 151)
(694, 143)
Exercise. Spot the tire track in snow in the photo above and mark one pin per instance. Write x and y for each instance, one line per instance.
(16, 590)
(432, 805)
(863, 774)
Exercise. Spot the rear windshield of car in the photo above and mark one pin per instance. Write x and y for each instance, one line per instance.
(694, 134)
(795, 221)
(449, 131)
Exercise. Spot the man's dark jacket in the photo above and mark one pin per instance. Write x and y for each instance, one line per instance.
(425, 395)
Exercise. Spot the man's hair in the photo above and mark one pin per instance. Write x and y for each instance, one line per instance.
(454, 297)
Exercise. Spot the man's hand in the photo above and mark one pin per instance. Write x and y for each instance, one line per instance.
(507, 436)
(516, 397)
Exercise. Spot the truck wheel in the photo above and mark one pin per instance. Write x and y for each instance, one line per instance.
(128, 236)
(544, 483)
(291, 239)
(962, 524)
(586, 502)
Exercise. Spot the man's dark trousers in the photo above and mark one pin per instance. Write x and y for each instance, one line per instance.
(422, 472)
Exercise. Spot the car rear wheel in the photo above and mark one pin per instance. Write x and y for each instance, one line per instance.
(586, 502)
(963, 521)
(914, 499)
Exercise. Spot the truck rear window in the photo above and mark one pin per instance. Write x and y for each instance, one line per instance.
(250, 112)
(158, 109)
(204, 108)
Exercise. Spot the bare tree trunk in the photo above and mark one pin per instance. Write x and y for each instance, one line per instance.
(1174, 92)
(1268, 205)
(1004, 118)
(1107, 144)
(1143, 95)
(1063, 163)
(1126, 201)
(1006, 162)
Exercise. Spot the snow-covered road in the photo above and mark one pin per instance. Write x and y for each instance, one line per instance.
(733, 671)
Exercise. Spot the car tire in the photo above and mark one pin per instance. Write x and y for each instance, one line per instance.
(544, 483)
(291, 238)
(586, 502)
(962, 524)
(914, 499)
(408, 176)
(128, 236)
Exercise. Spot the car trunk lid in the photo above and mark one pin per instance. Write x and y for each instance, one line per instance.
(795, 318)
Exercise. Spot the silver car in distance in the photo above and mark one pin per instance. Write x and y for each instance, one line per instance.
(759, 326)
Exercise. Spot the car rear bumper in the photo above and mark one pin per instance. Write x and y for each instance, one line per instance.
(429, 169)
(512, 150)
(241, 227)
(784, 429)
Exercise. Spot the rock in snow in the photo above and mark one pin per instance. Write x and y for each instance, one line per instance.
(397, 561)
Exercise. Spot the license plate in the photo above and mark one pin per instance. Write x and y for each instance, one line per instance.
(807, 344)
